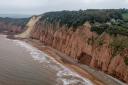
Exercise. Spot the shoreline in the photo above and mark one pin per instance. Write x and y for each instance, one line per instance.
(63, 72)
(66, 63)
(95, 76)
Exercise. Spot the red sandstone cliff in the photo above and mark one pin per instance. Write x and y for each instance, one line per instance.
(12, 25)
(82, 45)
(9, 27)
(29, 26)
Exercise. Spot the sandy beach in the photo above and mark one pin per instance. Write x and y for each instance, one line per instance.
(96, 76)
(23, 64)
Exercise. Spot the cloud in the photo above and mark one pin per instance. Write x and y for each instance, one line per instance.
(40, 6)
(22, 3)
(126, 1)
(93, 1)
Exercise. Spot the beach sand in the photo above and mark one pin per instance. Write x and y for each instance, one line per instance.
(23, 64)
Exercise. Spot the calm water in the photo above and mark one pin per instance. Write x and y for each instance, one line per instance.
(22, 64)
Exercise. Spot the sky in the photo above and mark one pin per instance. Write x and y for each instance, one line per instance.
(33, 7)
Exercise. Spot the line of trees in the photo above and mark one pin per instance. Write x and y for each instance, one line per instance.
(77, 18)
(112, 21)
(15, 21)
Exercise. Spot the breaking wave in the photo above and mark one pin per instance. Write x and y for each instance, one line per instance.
(64, 75)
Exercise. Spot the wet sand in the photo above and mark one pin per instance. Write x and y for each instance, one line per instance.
(22, 64)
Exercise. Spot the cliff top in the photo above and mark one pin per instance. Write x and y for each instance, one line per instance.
(112, 21)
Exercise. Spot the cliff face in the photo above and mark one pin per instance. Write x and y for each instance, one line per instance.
(10, 28)
(84, 46)
(29, 27)
(11, 25)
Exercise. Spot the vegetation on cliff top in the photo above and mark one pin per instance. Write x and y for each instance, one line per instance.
(78, 18)
(113, 21)
(14, 21)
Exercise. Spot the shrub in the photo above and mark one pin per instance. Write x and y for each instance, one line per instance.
(126, 60)
(100, 42)
(77, 18)
(118, 45)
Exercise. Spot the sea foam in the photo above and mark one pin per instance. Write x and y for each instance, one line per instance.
(64, 75)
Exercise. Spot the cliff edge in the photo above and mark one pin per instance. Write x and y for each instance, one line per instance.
(104, 52)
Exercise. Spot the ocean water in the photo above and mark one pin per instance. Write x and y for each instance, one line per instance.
(23, 64)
